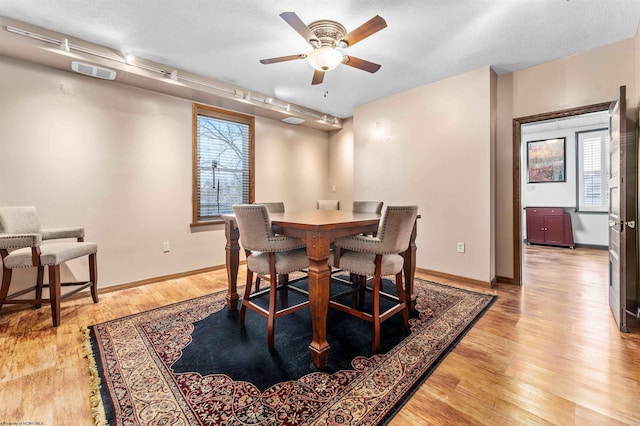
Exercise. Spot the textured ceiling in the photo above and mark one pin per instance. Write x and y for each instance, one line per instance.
(425, 41)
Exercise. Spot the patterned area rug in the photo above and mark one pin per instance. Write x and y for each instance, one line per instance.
(190, 364)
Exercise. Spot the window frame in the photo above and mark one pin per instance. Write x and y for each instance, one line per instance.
(220, 114)
(604, 172)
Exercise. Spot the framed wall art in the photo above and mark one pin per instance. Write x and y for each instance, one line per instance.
(546, 160)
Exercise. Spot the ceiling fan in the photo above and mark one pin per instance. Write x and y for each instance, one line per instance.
(326, 37)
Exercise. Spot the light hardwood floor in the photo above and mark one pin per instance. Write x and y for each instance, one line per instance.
(545, 353)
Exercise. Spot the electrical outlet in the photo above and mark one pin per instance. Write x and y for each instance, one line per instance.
(460, 247)
(166, 248)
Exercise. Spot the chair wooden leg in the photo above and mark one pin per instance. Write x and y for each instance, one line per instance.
(54, 293)
(39, 285)
(353, 279)
(403, 301)
(361, 282)
(272, 301)
(376, 311)
(245, 299)
(6, 280)
(247, 253)
(93, 276)
(283, 280)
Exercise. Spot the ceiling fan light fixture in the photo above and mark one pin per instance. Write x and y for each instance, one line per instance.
(325, 58)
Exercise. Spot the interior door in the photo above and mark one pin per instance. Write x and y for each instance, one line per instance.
(622, 199)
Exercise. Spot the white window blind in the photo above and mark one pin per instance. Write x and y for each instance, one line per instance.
(593, 170)
(223, 163)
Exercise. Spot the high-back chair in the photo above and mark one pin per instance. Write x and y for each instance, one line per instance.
(267, 253)
(362, 207)
(377, 256)
(367, 207)
(328, 205)
(21, 246)
(274, 207)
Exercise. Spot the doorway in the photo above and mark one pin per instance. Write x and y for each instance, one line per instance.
(517, 173)
(565, 166)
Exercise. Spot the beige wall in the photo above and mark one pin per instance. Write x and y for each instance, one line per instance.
(504, 177)
(341, 165)
(586, 78)
(431, 146)
(583, 79)
(404, 133)
(493, 121)
(117, 160)
(291, 164)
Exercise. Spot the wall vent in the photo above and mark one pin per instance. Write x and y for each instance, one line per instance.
(93, 70)
(293, 120)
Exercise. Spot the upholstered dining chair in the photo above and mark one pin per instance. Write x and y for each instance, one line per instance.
(377, 256)
(274, 207)
(359, 207)
(328, 205)
(367, 207)
(21, 246)
(270, 254)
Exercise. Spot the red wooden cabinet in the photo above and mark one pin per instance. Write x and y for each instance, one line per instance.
(549, 225)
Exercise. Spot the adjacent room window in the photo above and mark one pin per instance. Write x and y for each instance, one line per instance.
(593, 170)
(223, 162)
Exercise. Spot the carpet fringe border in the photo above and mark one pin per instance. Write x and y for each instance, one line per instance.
(97, 408)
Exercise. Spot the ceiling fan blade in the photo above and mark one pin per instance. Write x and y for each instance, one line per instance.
(296, 23)
(318, 77)
(361, 64)
(283, 58)
(370, 27)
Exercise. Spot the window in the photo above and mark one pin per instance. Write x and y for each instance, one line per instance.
(223, 162)
(593, 170)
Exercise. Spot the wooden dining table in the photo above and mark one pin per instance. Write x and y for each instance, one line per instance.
(317, 228)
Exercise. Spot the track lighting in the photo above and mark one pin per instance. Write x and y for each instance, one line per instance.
(173, 75)
(128, 59)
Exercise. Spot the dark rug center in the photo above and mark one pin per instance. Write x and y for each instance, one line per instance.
(220, 346)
